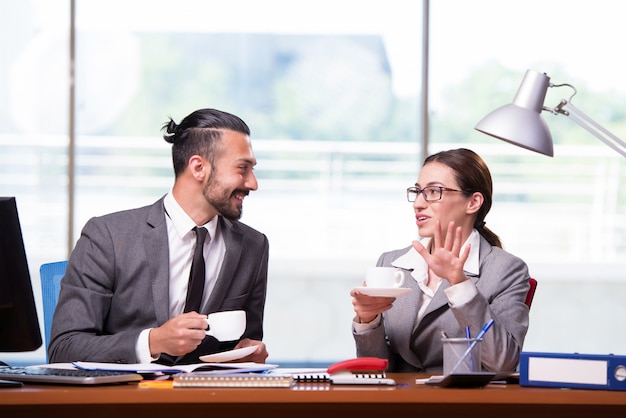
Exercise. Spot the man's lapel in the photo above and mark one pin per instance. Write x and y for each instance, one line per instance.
(233, 241)
(157, 256)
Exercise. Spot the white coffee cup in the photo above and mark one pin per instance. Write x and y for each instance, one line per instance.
(226, 325)
(384, 277)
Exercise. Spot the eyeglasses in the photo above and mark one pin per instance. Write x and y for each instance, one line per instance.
(430, 193)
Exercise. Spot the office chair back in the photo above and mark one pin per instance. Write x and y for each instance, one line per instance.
(51, 275)
(531, 292)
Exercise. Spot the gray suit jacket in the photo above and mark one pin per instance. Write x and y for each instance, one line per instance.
(502, 286)
(117, 284)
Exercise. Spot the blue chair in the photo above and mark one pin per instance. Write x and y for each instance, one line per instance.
(51, 275)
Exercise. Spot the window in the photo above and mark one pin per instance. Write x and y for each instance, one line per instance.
(331, 91)
(565, 216)
(331, 96)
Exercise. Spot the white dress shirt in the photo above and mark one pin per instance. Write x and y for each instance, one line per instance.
(457, 294)
(182, 241)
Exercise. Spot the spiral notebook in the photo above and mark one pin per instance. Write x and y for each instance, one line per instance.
(311, 377)
(235, 380)
(344, 378)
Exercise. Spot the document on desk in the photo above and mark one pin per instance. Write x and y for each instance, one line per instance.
(216, 368)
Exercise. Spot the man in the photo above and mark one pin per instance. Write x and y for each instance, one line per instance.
(123, 297)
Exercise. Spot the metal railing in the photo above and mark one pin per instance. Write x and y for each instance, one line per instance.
(578, 195)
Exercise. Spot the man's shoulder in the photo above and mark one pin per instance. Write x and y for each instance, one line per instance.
(242, 228)
(131, 215)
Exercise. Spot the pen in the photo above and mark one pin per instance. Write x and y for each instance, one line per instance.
(484, 329)
(468, 336)
(480, 334)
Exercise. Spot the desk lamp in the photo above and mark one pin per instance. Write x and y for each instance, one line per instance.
(521, 124)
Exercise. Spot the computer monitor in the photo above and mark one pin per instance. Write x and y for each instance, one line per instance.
(19, 325)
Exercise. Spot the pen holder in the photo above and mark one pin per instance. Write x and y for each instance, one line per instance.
(461, 355)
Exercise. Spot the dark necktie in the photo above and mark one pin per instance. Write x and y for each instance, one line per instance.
(197, 274)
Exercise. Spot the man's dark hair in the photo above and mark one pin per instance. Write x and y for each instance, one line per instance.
(199, 134)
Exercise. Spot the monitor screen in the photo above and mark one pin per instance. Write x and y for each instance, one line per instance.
(19, 326)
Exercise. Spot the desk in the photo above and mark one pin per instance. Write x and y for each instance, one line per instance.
(321, 400)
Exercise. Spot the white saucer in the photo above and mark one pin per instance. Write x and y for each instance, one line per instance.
(390, 292)
(228, 355)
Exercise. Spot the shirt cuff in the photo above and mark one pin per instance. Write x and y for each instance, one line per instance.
(142, 348)
(461, 293)
(361, 327)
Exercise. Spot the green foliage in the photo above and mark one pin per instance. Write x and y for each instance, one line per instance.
(325, 88)
(329, 88)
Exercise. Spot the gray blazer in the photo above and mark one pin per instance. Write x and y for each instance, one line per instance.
(117, 284)
(411, 347)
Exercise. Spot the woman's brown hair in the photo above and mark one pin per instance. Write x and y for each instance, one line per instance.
(472, 175)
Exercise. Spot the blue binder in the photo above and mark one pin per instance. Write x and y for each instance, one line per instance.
(576, 371)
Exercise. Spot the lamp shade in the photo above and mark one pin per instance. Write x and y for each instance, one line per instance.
(520, 122)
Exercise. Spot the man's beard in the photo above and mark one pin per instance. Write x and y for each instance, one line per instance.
(220, 199)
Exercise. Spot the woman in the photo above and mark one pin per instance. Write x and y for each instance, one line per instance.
(458, 272)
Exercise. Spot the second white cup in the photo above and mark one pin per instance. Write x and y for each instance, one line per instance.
(384, 277)
(226, 325)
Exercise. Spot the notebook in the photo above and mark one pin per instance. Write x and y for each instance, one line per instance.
(236, 380)
(342, 377)
(347, 377)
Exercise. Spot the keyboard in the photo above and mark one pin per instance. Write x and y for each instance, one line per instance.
(65, 376)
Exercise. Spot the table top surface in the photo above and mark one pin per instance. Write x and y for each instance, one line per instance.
(406, 391)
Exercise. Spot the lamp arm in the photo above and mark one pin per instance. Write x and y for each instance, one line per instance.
(590, 125)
